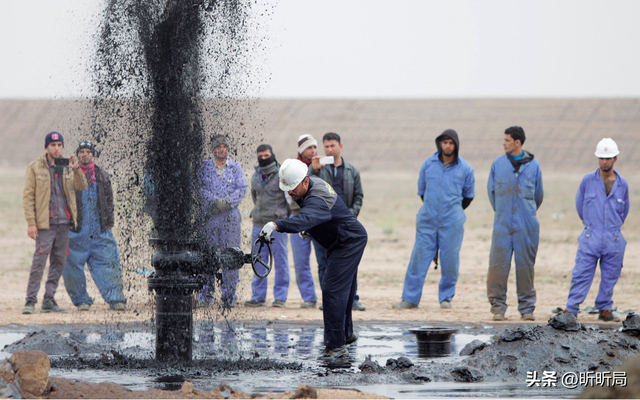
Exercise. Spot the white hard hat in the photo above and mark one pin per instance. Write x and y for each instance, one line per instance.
(607, 148)
(292, 172)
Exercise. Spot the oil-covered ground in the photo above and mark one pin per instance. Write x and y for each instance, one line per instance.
(261, 357)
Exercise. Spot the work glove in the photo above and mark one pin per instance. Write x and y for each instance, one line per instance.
(304, 235)
(267, 230)
(221, 205)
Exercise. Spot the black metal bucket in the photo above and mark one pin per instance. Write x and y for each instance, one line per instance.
(433, 341)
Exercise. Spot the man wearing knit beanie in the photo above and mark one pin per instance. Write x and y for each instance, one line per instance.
(301, 246)
(92, 243)
(50, 210)
(53, 137)
(307, 148)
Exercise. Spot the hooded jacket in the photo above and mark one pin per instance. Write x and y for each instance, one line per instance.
(526, 158)
(453, 135)
(444, 189)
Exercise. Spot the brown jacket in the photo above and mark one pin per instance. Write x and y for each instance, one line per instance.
(37, 192)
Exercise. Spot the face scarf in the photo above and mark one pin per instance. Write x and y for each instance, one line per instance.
(268, 165)
(90, 171)
(307, 162)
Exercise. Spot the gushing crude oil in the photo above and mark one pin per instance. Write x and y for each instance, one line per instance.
(168, 77)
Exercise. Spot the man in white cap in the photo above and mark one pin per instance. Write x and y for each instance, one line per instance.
(324, 216)
(301, 247)
(602, 202)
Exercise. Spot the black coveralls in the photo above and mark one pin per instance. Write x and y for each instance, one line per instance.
(327, 219)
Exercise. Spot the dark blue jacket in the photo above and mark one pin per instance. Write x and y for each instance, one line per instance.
(324, 216)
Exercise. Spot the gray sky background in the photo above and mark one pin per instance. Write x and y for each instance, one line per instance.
(368, 49)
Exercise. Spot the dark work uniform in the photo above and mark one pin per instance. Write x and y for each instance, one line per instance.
(328, 220)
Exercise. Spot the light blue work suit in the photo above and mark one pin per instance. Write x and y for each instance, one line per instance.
(221, 229)
(515, 198)
(301, 249)
(601, 239)
(99, 251)
(439, 225)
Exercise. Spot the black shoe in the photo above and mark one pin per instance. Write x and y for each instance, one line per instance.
(332, 354)
(357, 306)
(255, 303)
(352, 338)
(608, 316)
(49, 306)
(29, 308)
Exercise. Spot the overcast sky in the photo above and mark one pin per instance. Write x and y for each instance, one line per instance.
(368, 49)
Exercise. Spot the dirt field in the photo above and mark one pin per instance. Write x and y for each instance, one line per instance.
(390, 205)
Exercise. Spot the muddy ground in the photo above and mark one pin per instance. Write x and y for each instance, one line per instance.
(503, 357)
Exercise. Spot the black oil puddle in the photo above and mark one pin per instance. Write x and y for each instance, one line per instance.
(259, 357)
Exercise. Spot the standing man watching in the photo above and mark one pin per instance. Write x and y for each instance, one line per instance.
(49, 201)
(324, 216)
(92, 242)
(446, 186)
(515, 192)
(344, 178)
(301, 246)
(602, 202)
(269, 202)
(222, 188)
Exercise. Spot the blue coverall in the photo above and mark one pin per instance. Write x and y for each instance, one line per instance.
(439, 225)
(301, 250)
(99, 251)
(515, 198)
(222, 230)
(601, 239)
(327, 219)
